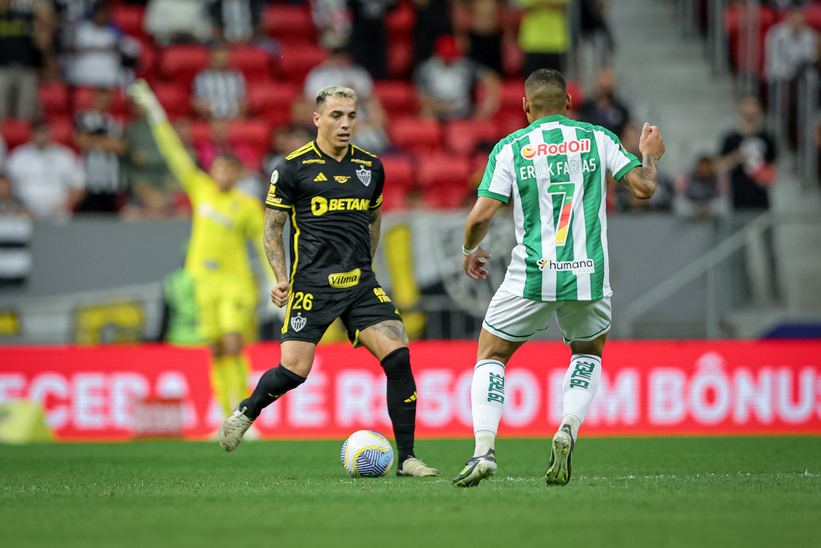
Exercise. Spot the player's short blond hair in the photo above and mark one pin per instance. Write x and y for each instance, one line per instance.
(333, 91)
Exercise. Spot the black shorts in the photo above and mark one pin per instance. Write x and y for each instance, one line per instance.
(310, 314)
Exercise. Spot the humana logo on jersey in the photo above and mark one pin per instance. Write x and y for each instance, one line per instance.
(529, 152)
(587, 266)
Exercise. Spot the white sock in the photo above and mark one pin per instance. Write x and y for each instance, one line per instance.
(487, 402)
(580, 385)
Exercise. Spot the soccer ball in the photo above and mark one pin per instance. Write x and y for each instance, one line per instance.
(367, 454)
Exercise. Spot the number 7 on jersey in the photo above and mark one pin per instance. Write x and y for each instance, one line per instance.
(567, 191)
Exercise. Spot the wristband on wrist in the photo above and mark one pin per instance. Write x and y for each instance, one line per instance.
(466, 251)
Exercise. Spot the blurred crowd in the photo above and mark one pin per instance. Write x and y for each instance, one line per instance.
(438, 81)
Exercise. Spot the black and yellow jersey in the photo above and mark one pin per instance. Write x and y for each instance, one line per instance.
(329, 203)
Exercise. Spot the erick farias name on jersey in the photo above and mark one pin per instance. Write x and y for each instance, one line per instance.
(329, 203)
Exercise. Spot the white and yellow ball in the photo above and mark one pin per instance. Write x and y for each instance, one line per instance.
(367, 454)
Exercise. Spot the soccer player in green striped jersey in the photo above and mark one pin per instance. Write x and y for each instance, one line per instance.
(554, 173)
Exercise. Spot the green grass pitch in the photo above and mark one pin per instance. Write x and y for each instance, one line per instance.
(659, 492)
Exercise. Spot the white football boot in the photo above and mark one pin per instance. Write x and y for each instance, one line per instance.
(233, 428)
(415, 467)
(558, 469)
(476, 469)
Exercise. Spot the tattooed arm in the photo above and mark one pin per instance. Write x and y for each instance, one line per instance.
(275, 251)
(642, 181)
(374, 227)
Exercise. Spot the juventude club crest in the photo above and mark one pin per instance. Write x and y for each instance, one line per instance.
(364, 175)
(298, 322)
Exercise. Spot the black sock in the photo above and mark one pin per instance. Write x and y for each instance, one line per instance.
(273, 384)
(401, 400)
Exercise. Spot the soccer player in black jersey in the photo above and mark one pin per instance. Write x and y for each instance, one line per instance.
(331, 191)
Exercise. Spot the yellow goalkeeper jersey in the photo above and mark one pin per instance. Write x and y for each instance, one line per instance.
(222, 222)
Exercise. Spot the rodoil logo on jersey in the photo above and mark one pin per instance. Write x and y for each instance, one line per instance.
(585, 266)
(529, 152)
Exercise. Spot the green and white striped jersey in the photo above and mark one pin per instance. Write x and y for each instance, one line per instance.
(555, 171)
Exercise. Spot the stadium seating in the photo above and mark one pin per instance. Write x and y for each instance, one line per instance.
(400, 57)
(175, 99)
(83, 97)
(15, 132)
(54, 100)
(398, 98)
(290, 24)
(445, 197)
(272, 101)
(254, 133)
(443, 171)
(416, 134)
(398, 172)
(130, 19)
(62, 131)
(298, 60)
(252, 62)
(182, 63)
(463, 136)
(393, 198)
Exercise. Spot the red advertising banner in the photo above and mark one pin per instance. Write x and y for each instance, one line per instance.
(648, 388)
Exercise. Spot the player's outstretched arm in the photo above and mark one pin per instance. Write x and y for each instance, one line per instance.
(275, 252)
(476, 229)
(374, 228)
(168, 142)
(642, 181)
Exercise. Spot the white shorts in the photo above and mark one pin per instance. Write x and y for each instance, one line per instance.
(516, 319)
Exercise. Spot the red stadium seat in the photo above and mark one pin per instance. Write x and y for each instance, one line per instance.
(272, 101)
(735, 17)
(54, 98)
(575, 92)
(398, 172)
(175, 99)
(83, 98)
(445, 197)
(290, 24)
(513, 58)
(400, 57)
(254, 133)
(512, 93)
(182, 63)
(200, 132)
(15, 132)
(252, 62)
(416, 134)
(147, 66)
(62, 131)
(444, 170)
(400, 22)
(398, 98)
(130, 19)
(462, 137)
(297, 61)
(393, 198)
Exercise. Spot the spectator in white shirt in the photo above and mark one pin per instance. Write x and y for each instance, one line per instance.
(177, 21)
(219, 91)
(790, 46)
(340, 70)
(100, 49)
(47, 176)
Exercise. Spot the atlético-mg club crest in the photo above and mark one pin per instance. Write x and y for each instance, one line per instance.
(298, 322)
(364, 175)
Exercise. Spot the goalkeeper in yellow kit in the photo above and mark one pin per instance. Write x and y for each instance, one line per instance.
(224, 219)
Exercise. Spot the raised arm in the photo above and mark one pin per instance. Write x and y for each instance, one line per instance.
(171, 148)
(374, 228)
(642, 181)
(275, 252)
(478, 225)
